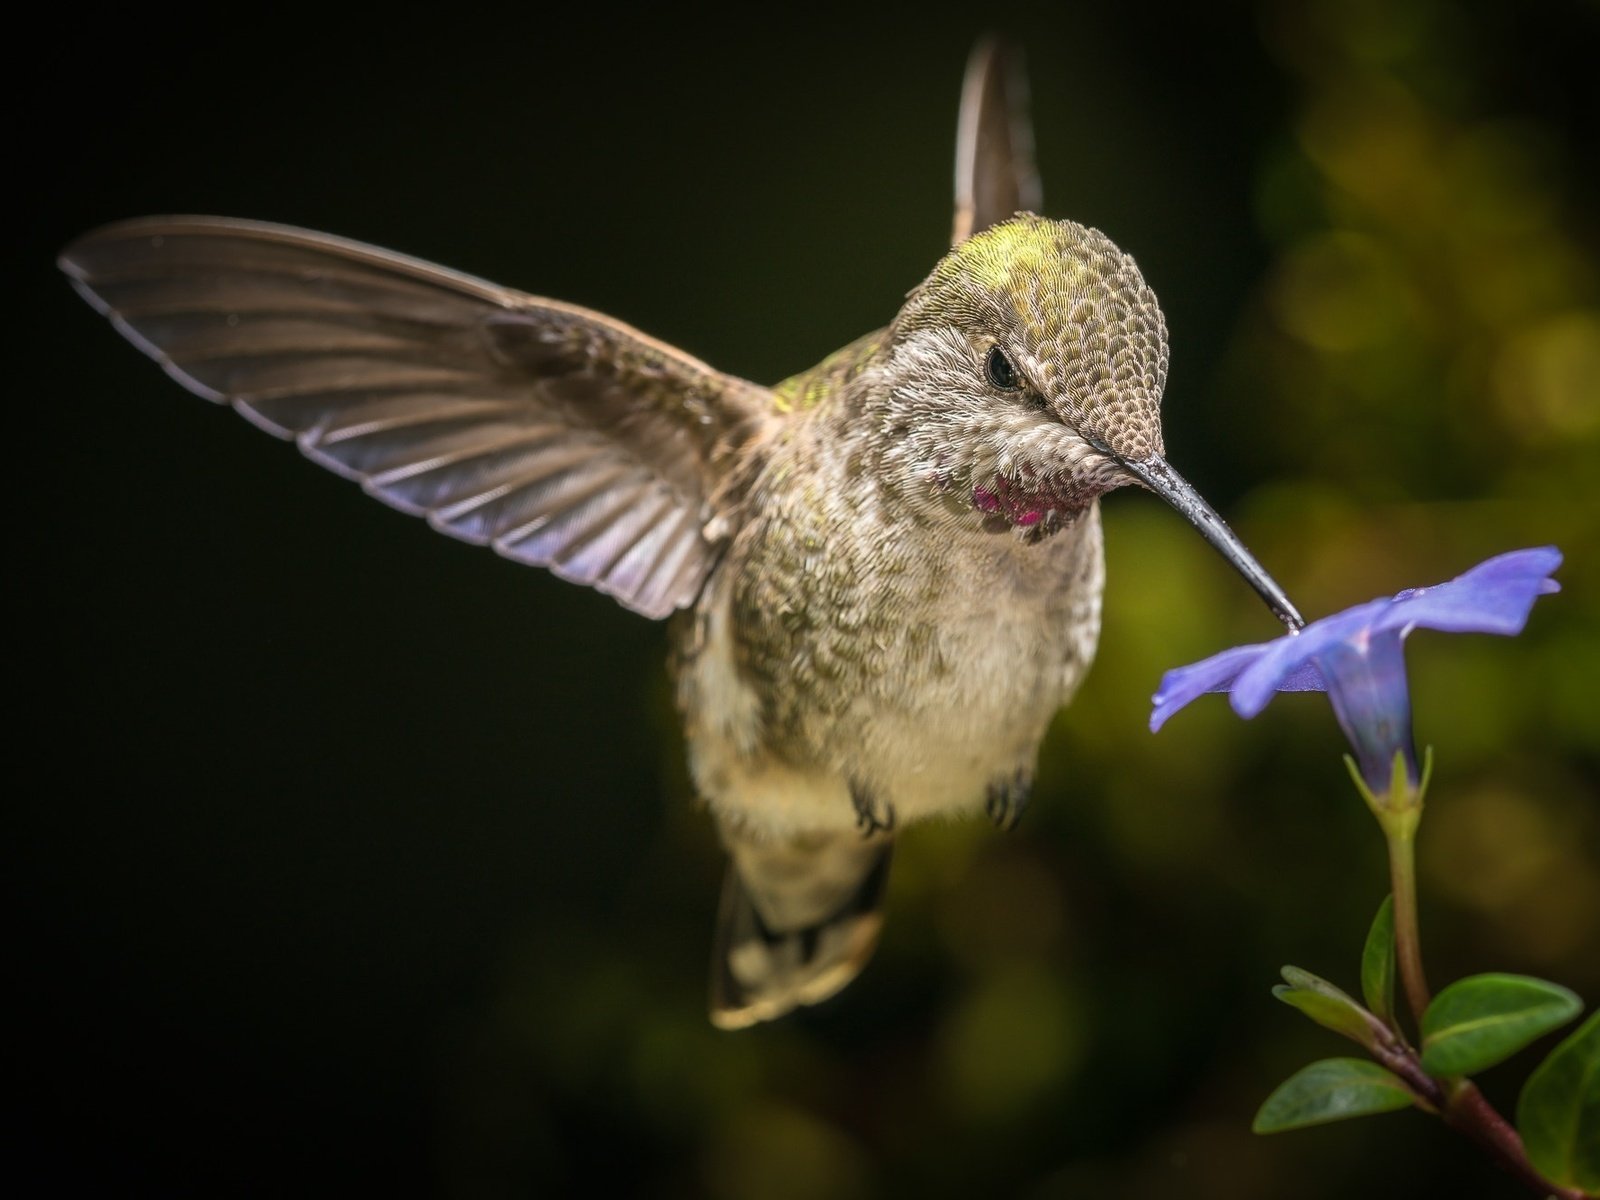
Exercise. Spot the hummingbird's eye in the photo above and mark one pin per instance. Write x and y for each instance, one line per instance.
(1000, 371)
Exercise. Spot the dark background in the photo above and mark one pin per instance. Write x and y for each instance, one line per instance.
(349, 856)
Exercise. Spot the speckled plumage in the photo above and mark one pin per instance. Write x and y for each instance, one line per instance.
(875, 630)
(887, 570)
(876, 647)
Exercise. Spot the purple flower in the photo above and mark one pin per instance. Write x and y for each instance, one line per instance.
(1355, 656)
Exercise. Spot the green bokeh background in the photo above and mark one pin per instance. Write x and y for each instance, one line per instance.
(349, 856)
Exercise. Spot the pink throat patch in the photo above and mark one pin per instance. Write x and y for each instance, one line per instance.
(1017, 505)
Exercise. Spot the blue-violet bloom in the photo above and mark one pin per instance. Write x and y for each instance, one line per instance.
(1355, 656)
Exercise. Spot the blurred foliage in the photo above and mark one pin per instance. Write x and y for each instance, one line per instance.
(464, 953)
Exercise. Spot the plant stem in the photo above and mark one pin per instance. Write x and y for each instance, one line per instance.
(1459, 1101)
(1407, 936)
(1468, 1111)
(1464, 1108)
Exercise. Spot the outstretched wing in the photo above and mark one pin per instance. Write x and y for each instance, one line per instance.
(995, 172)
(556, 435)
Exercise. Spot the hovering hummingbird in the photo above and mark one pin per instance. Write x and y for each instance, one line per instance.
(884, 573)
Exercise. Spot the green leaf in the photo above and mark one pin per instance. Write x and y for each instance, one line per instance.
(1327, 1005)
(1559, 1112)
(1484, 1019)
(1331, 1090)
(1377, 963)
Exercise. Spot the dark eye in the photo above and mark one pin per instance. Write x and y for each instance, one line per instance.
(1000, 371)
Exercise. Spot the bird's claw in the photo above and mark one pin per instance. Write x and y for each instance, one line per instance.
(871, 816)
(1006, 800)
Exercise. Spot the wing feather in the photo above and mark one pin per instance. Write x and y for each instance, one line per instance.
(995, 172)
(558, 436)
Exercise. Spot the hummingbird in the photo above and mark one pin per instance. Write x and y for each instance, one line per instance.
(883, 574)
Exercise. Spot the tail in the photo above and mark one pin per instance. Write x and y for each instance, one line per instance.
(799, 919)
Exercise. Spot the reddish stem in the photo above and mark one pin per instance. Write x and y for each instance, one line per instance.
(1468, 1111)
(1459, 1101)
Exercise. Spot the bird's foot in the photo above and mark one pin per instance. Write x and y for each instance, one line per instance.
(1006, 799)
(871, 815)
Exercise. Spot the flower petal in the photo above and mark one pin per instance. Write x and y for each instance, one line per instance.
(1182, 684)
(1304, 678)
(1286, 658)
(1372, 702)
(1494, 597)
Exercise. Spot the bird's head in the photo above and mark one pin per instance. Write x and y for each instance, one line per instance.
(1023, 379)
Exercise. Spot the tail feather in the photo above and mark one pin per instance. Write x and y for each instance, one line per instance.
(798, 921)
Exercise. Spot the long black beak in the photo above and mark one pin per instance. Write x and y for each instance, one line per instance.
(1161, 479)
